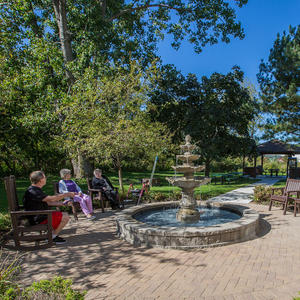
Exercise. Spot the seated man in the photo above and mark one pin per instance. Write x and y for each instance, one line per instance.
(36, 199)
(101, 182)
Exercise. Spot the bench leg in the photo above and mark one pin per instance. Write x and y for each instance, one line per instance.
(101, 201)
(285, 207)
(270, 206)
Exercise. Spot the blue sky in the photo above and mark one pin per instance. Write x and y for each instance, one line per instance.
(261, 20)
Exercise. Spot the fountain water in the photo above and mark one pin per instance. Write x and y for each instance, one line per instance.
(188, 212)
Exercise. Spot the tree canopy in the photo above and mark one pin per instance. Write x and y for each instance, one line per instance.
(48, 46)
(109, 122)
(216, 112)
(279, 80)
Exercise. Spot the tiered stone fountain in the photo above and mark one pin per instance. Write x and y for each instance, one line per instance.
(178, 224)
(188, 212)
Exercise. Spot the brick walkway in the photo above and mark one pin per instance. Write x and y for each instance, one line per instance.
(264, 268)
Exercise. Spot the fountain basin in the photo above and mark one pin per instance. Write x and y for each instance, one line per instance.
(141, 234)
(186, 183)
(187, 168)
(187, 157)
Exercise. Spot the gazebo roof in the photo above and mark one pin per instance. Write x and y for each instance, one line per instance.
(278, 147)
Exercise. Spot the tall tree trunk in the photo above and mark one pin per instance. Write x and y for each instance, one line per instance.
(117, 162)
(120, 179)
(207, 167)
(64, 35)
(81, 164)
(82, 167)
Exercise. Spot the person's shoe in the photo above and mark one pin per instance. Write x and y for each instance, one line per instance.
(91, 218)
(59, 241)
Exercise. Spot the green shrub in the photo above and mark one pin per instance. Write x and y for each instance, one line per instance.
(153, 197)
(263, 193)
(5, 222)
(57, 288)
(9, 268)
(227, 164)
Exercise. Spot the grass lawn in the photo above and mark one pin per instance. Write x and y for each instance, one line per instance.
(206, 191)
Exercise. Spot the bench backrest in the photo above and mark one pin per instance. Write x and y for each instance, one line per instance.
(292, 185)
(11, 193)
(55, 187)
(89, 183)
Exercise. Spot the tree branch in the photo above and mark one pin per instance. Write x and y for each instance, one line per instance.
(143, 7)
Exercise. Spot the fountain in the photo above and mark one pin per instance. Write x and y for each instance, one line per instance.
(188, 212)
(183, 224)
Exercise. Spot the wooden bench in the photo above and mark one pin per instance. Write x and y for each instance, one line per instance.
(99, 195)
(290, 193)
(96, 194)
(24, 235)
(232, 177)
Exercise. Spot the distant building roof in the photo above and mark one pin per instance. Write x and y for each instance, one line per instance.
(278, 147)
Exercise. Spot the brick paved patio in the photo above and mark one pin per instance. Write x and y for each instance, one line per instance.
(264, 268)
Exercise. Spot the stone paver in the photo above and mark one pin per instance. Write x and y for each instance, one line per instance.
(267, 267)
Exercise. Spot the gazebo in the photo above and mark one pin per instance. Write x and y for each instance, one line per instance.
(273, 147)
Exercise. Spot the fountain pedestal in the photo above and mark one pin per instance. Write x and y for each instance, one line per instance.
(188, 212)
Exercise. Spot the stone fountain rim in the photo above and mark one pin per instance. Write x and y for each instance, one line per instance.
(125, 219)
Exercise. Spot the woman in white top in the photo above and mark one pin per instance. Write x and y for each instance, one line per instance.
(67, 185)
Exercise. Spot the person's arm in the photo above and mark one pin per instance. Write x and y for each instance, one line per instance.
(62, 187)
(55, 200)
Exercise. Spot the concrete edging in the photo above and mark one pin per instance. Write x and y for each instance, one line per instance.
(141, 234)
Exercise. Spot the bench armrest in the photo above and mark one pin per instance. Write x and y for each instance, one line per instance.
(277, 189)
(95, 190)
(31, 212)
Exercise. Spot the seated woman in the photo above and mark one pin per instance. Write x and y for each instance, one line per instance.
(101, 182)
(67, 185)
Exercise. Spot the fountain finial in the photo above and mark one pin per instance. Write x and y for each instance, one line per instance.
(188, 139)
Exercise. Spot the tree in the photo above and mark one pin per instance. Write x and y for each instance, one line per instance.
(279, 80)
(110, 121)
(75, 36)
(216, 112)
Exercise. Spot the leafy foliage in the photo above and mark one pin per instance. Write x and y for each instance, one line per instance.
(5, 222)
(109, 122)
(216, 112)
(263, 193)
(9, 268)
(57, 288)
(45, 43)
(279, 80)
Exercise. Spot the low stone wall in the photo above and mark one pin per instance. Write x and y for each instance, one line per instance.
(141, 234)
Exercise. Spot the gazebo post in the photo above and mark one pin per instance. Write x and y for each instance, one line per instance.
(254, 173)
(262, 163)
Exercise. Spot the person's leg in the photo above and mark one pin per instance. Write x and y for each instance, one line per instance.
(64, 221)
(114, 196)
(110, 199)
(88, 201)
(83, 205)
